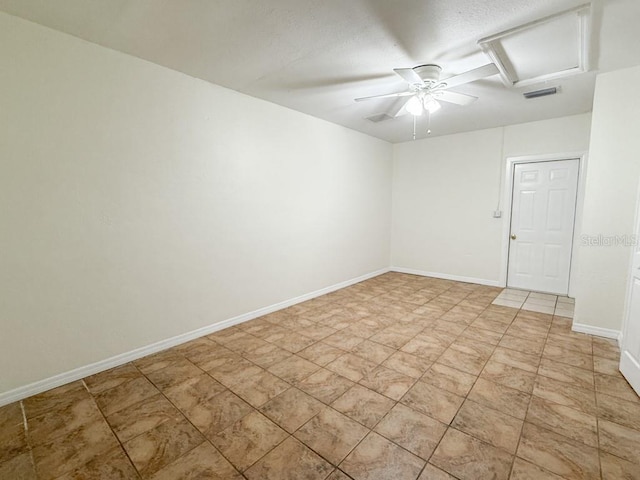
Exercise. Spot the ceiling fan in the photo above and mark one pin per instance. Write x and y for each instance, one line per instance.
(426, 89)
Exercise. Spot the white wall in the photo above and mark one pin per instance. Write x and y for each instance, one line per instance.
(445, 190)
(610, 199)
(137, 203)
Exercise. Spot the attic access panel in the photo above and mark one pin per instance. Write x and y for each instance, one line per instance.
(552, 47)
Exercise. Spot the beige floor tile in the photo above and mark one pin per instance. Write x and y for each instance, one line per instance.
(619, 440)
(291, 409)
(248, 440)
(158, 361)
(13, 442)
(491, 324)
(606, 366)
(11, 416)
(407, 364)
(574, 376)
(376, 457)
(112, 465)
(331, 434)
(388, 382)
(412, 430)
(214, 358)
(467, 362)
(343, 340)
(124, 395)
(321, 354)
(372, 351)
(234, 370)
(424, 348)
(504, 399)
(433, 402)
(449, 379)
(55, 399)
(523, 470)
(213, 415)
(564, 394)
(193, 391)
(267, 355)
(573, 341)
(616, 387)
(434, 473)
(524, 345)
(567, 421)
(352, 367)
(482, 335)
(18, 468)
(488, 425)
(246, 344)
(619, 411)
(111, 378)
(508, 302)
(141, 417)
(614, 468)
(174, 374)
(605, 347)
(467, 458)
(204, 461)
(318, 332)
(157, 448)
(570, 357)
(54, 423)
(73, 450)
(558, 454)
(260, 388)
(516, 359)
(291, 460)
(363, 405)
(391, 339)
(325, 385)
(508, 376)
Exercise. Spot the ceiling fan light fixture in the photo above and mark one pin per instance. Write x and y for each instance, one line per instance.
(414, 106)
(431, 105)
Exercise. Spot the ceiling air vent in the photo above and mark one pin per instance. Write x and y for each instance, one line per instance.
(541, 93)
(380, 117)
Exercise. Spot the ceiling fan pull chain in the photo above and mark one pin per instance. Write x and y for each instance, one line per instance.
(414, 125)
(428, 122)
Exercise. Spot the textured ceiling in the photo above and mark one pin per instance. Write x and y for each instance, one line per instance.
(316, 56)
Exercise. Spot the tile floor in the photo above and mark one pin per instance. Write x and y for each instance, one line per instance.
(399, 377)
(536, 302)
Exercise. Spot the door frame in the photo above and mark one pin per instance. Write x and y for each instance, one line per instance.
(507, 202)
(627, 301)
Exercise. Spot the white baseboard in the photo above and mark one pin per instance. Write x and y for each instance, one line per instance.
(97, 367)
(445, 276)
(597, 331)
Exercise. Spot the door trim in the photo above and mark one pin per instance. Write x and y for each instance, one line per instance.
(507, 202)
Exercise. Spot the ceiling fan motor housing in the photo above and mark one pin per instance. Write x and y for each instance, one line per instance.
(429, 73)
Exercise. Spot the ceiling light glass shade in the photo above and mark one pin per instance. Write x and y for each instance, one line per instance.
(414, 106)
(431, 105)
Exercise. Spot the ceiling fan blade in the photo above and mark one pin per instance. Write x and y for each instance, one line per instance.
(386, 95)
(398, 108)
(409, 76)
(457, 98)
(471, 76)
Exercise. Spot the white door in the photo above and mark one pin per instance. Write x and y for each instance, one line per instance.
(630, 348)
(542, 216)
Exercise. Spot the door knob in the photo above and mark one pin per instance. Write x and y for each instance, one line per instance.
(513, 236)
